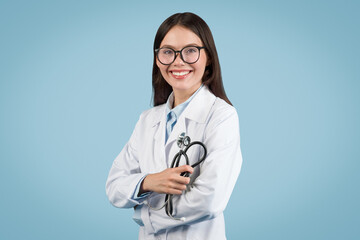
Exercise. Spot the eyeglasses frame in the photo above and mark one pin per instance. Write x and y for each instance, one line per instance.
(176, 53)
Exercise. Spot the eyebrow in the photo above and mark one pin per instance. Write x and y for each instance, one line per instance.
(187, 45)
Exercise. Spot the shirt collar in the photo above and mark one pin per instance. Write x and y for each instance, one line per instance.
(200, 107)
(181, 107)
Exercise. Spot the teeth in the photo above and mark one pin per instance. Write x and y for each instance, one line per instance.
(180, 73)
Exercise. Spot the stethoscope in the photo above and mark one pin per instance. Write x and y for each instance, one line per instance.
(182, 141)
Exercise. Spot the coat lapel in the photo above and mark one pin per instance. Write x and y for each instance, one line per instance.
(199, 108)
(159, 139)
(197, 111)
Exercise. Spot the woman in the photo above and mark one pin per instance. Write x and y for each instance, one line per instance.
(188, 98)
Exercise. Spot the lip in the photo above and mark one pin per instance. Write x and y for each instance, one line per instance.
(180, 74)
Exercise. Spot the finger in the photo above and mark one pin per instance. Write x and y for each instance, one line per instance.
(174, 192)
(178, 186)
(181, 180)
(176, 189)
(184, 168)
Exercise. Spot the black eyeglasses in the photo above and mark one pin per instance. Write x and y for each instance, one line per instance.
(167, 56)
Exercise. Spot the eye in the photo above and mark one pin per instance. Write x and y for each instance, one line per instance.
(167, 51)
(190, 50)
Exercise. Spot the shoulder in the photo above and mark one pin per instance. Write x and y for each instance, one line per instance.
(152, 116)
(222, 124)
(222, 111)
(217, 106)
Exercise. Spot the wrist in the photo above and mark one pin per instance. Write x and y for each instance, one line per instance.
(144, 186)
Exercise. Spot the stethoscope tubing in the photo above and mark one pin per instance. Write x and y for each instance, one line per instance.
(175, 163)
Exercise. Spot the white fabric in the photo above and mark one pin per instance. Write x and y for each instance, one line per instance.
(207, 119)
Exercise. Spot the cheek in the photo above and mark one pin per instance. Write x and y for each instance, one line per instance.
(203, 61)
(162, 67)
(201, 65)
(158, 64)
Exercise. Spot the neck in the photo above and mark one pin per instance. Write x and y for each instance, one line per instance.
(181, 96)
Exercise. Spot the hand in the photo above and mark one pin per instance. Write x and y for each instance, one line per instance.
(168, 181)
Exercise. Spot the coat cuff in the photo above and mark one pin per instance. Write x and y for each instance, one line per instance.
(135, 194)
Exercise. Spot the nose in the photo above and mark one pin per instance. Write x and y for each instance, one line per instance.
(178, 60)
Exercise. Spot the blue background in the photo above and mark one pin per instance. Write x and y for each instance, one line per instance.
(75, 75)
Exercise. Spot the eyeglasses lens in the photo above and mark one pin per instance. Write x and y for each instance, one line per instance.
(168, 55)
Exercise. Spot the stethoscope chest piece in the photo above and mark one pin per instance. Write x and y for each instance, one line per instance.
(183, 140)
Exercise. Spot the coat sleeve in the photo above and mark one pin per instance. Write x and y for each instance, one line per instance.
(125, 175)
(211, 190)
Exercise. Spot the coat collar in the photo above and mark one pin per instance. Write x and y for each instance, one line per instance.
(197, 110)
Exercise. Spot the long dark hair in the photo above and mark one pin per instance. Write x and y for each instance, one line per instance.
(212, 75)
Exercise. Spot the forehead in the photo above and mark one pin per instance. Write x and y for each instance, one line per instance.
(179, 37)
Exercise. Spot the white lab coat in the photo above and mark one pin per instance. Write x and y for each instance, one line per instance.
(207, 119)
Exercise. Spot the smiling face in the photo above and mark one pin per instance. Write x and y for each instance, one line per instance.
(184, 78)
